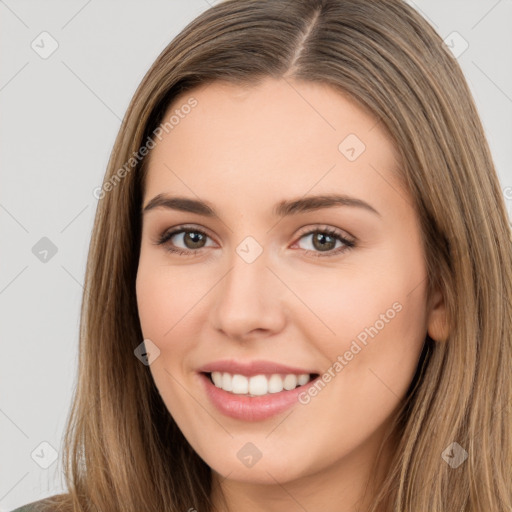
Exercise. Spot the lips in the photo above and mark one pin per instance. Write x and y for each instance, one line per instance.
(250, 368)
(255, 390)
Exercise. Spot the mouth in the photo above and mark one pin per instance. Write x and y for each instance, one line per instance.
(257, 397)
(254, 390)
(258, 385)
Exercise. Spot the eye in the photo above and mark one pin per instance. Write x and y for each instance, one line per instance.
(323, 242)
(193, 239)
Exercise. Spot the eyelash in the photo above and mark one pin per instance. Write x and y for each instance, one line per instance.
(167, 235)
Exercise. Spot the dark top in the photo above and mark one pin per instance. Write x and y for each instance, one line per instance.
(29, 507)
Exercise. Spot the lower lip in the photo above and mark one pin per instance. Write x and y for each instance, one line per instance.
(249, 408)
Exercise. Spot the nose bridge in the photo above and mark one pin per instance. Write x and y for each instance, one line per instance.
(247, 282)
(248, 297)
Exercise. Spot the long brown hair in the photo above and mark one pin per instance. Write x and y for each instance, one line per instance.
(123, 451)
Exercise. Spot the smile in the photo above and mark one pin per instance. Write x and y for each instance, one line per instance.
(258, 385)
(256, 396)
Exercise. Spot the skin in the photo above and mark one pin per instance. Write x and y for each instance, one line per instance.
(244, 149)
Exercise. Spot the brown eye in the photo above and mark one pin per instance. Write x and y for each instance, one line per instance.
(183, 241)
(321, 241)
(325, 240)
(193, 239)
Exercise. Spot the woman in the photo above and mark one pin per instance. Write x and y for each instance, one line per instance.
(299, 281)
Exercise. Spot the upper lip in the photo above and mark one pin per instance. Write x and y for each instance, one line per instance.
(250, 368)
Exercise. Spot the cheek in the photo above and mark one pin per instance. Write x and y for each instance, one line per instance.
(155, 306)
(351, 304)
(372, 352)
(172, 310)
(163, 318)
(159, 313)
(165, 297)
(375, 320)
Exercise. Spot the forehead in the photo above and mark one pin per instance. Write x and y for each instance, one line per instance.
(276, 138)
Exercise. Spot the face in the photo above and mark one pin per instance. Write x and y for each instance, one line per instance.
(310, 316)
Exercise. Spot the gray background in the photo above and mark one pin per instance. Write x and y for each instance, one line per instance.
(60, 116)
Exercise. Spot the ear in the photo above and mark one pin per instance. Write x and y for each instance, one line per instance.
(437, 320)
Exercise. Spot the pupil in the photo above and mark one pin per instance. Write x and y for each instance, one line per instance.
(319, 240)
(194, 237)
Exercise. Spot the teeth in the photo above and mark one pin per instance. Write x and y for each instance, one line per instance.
(275, 384)
(303, 379)
(258, 385)
(240, 384)
(227, 382)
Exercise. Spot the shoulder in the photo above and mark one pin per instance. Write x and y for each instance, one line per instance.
(30, 507)
(43, 505)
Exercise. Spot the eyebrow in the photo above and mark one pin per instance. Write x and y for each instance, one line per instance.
(282, 209)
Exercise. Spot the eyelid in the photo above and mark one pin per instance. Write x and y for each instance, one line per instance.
(168, 233)
(326, 227)
(303, 231)
(348, 240)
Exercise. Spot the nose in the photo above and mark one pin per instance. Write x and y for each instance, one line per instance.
(248, 302)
